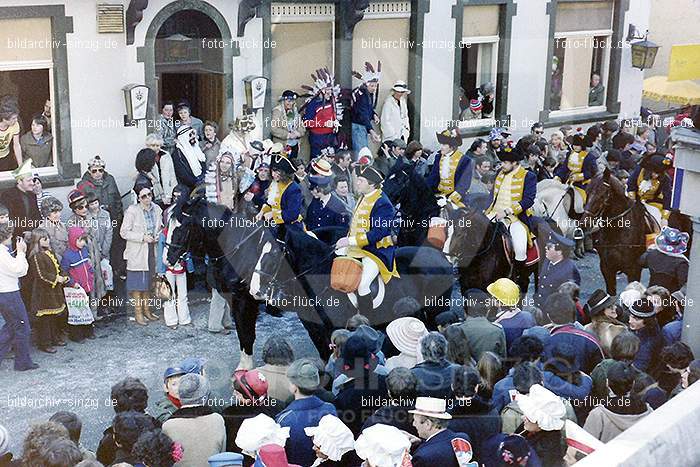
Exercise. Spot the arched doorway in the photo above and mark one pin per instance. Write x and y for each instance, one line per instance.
(188, 54)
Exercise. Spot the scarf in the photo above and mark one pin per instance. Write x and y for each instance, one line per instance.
(192, 153)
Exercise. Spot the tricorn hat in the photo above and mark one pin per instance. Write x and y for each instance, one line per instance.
(282, 164)
(370, 173)
(450, 137)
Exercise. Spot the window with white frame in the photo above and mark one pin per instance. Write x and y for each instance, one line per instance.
(26, 87)
(479, 53)
(581, 58)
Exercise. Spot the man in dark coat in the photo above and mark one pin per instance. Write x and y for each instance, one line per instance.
(556, 269)
(326, 209)
(442, 446)
(401, 389)
(20, 200)
(434, 374)
(188, 158)
(472, 414)
(561, 310)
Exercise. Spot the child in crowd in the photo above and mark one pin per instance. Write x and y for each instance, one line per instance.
(51, 209)
(76, 261)
(48, 303)
(167, 406)
(176, 311)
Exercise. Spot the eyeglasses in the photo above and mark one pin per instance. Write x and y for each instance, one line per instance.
(146, 195)
(550, 246)
(81, 206)
(539, 132)
(97, 170)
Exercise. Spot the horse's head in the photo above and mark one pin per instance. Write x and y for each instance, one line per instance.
(181, 226)
(600, 193)
(470, 228)
(395, 185)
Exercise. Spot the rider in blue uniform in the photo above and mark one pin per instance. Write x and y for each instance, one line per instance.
(370, 239)
(285, 201)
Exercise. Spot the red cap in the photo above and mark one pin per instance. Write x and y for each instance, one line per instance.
(252, 383)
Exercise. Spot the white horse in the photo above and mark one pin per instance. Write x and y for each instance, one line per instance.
(553, 201)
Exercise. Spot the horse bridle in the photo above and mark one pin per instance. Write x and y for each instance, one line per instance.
(604, 206)
(224, 254)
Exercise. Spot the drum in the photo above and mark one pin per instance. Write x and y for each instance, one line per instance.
(437, 232)
(346, 273)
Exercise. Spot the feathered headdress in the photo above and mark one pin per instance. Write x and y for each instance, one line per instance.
(369, 74)
(322, 79)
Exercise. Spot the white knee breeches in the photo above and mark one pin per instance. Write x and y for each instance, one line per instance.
(518, 233)
(370, 270)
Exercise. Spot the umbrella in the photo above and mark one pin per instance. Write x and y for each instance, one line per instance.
(683, 92)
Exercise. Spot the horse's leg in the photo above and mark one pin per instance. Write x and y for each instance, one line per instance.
(245, 315)
(610, 276)
(320, 335)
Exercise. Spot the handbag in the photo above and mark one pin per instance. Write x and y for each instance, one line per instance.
(78, 305)
(161, 289)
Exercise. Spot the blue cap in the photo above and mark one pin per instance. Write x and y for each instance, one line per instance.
(173, 371)
(560, 240)
(224, 459)
(319, 180)
(192, 365)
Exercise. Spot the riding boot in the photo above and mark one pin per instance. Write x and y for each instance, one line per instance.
(364, 304)
(138, 308)
(522, 276)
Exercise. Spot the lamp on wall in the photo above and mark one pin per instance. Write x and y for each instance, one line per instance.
(136, 100)
(255, 90)
(643, 50)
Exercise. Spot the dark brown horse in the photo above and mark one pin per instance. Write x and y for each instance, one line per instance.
(619, 225)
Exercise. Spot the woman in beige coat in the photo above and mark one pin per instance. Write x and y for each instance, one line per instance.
(604, 324)
(142, 224)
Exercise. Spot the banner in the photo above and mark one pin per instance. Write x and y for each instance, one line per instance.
(684, 62)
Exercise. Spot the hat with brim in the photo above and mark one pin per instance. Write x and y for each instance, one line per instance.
(642, 308)
(656, 163)
(505, 291)
(23, 171)
(401, 86)
(599, 301)
(370, 173)
(432, 407)
(304, 374)
(399, 143)
(672, 241)
(405, 333)
(332, 437)
(260, 431)
(580, 140)
(319, 181)
(510, 155)
(560, 240)
(543, 407)
(282, 164)
(322, 167)
(173, 371)
(450, 137)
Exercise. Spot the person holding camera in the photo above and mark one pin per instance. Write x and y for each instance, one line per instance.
(15, 332)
